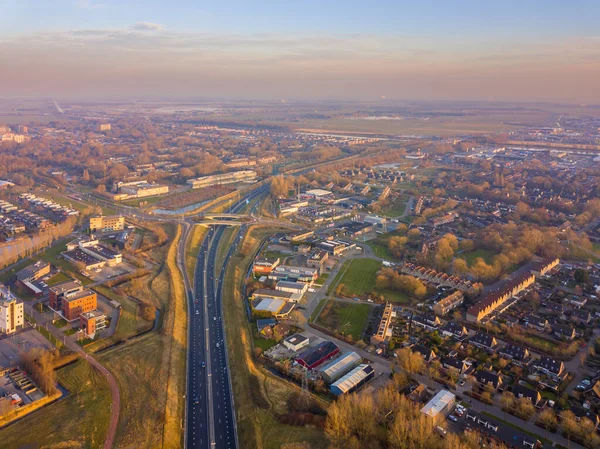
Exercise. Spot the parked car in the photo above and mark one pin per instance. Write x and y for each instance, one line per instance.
(452, 418)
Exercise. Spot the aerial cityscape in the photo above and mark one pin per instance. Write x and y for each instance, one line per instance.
(299, 226)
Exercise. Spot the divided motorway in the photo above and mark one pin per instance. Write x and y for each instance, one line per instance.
(210, 411)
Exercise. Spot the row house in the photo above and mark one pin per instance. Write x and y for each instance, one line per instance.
(494, 300)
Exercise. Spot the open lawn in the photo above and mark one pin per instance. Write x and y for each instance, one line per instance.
(130, 321)
(58, 278)
(393, 296)
(78, 421)
(359, 276)
(264, 344)
(380, 249)
(483, 253)
(345, 317)
(397, 208)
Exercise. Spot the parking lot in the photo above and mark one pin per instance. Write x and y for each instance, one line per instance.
(11, 346)
(105, 273)
(9, 388)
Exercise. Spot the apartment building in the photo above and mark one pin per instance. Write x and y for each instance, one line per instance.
(107, 223)
(11, 311)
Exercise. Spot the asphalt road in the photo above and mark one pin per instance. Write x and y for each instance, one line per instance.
(210, 410)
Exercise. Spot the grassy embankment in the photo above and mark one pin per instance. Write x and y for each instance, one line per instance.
(191, 250)
(259, 396)
(150, 370)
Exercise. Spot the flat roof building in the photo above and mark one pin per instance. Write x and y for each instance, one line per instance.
(92, 322)
(71, 299)
(296, 342)
(107, 223)
(441, 403)
(33, 272)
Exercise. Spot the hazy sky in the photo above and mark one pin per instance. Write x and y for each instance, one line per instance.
(419, 49)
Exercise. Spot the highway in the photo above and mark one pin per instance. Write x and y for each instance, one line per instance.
(210, 411)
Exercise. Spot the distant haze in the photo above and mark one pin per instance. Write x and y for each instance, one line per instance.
(90, 54)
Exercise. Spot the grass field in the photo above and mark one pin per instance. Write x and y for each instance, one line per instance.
(380, 249)
(130, 322)
(84, 414)
(359, 276)
(58, 278)
(141, 379)
(263, 343)
(483, 253)
(397, 208)
(394, 296)
(346, 318)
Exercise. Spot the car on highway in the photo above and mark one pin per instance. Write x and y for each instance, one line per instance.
(218, 344)
(197, 312)
(203, 363)
(196, 401)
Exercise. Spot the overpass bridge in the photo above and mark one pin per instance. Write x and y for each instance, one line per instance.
(263, 221)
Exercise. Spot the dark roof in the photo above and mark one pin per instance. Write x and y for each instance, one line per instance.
(554, 366)
(514, 351)
(582, 314)
(563, 329)
(424, 351)
(264, 322)
(426, 318)
(580, 412)
(536, 320)
(483, 339)
(311, 356)
(522, 391)
(453, 327)
(454, 362)
(486, 377)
